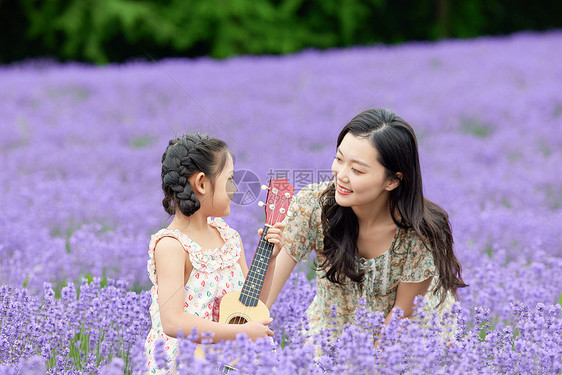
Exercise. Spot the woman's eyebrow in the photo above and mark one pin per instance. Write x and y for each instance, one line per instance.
(355, 160)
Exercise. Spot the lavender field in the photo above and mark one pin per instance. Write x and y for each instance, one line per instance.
(80, 153)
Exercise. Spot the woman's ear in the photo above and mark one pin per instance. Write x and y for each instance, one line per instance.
(394, 181)
(199, 183)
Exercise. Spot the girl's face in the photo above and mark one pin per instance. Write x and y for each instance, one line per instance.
(359, 177)
(224, 190)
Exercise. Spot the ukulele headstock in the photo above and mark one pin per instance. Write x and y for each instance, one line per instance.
(279, 196)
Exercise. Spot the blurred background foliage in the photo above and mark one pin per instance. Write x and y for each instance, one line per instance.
(103, 31)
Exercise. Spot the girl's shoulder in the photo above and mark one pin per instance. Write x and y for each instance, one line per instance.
(217, 222)
(204, 259)
(154, 239)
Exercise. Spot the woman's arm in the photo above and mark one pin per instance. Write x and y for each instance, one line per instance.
(170, 260)
(280, 267)
(405, 296)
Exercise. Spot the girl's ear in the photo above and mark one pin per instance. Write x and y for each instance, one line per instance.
(199, 183)
(394, 181)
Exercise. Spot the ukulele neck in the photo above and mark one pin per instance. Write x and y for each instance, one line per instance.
(253, 285)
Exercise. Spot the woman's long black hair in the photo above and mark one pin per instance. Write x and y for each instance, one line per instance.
(397, 149)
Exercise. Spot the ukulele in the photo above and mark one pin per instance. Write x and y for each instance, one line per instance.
(244, 306)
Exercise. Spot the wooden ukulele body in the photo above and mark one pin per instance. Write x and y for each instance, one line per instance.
(232, 311)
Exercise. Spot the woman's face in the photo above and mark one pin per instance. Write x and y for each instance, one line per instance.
(359, 177)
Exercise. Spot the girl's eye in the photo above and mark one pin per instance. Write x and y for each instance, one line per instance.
(337, 158)
(356, 171)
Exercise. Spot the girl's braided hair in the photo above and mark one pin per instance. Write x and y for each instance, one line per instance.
(189, 154)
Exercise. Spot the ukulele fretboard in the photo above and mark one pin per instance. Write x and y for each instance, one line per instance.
(251, 290)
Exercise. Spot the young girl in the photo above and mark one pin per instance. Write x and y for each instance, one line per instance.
(196, 259)
(374, 233)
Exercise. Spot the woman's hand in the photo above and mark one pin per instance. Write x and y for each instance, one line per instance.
(275, 236)
(257, 329)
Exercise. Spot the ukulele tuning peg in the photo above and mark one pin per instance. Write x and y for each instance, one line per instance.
(287, 195)
(261, 204)
(264, 187)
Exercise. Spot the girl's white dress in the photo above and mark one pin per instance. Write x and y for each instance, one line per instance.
(216, 272)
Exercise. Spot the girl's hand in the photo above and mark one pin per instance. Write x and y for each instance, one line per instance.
(275, 236)
(257, 329)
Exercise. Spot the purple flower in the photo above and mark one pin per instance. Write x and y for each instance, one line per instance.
(80, 150)
(115, 367)
(160, 357)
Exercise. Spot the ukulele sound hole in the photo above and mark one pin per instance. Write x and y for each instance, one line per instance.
(237, 320)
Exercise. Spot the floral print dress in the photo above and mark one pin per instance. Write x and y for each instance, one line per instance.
(407, 260)
(216, 272)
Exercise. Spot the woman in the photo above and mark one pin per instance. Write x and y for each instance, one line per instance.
(374, 234)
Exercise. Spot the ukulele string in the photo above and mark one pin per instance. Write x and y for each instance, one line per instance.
(260, 254)
(246, 310)
(246, 307)
(279, 214)
(278, 206)
(274, 220)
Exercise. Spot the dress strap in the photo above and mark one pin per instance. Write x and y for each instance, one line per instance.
(173, 233)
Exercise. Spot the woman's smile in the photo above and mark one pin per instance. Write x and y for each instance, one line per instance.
(343, 191)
